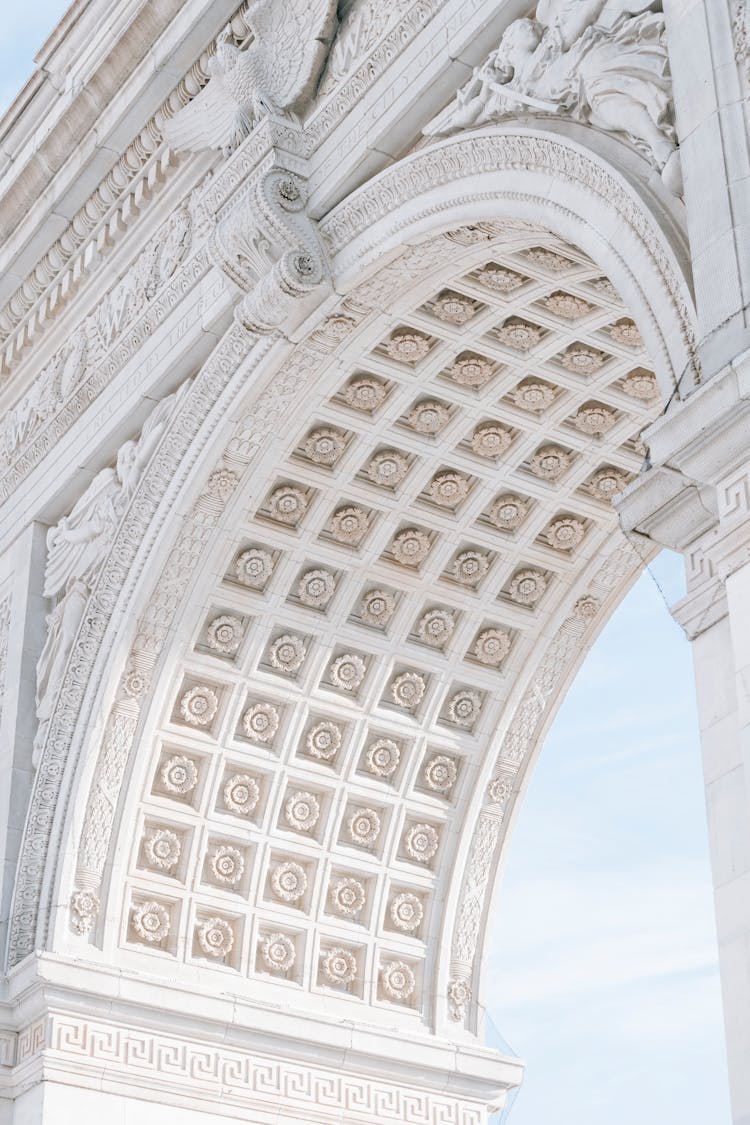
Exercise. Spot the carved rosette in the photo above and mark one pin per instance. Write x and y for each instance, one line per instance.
(216, 937)
(398, 980)
(323, 740)
(363, 826)
(85, 906)
(470, 567)
(406, 912)
(440, 774)
(459, 998)
(383, 757)
(339, 966)
(348, 896)
(376, 607)
(302, 811)
(278, 952)
(179, 775)
(289, 881)
(241, 794)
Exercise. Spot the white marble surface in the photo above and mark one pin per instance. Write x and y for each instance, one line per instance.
(326, 247)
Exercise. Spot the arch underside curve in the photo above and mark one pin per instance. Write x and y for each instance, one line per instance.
(385, 574)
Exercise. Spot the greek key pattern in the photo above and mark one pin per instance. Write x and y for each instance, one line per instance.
(243, 1078)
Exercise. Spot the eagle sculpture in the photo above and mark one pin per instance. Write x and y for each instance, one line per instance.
(277, 72)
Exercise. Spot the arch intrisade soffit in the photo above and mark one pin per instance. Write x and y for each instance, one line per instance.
(302, 787)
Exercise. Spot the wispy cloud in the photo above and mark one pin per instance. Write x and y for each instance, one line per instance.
(602, 969)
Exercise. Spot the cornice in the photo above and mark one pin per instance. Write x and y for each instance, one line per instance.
(65, 1019)
(696, 451)
(117, 199)
(51, 983)
(145, 162)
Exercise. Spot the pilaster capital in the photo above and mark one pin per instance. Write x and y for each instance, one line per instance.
(694, 496)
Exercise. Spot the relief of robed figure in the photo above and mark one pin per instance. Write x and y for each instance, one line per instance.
(76, 547)
(599, 62)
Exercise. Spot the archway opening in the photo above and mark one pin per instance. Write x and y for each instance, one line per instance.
(422, 555)
(602, 955)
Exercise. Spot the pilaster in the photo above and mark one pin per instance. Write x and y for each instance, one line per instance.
(710, 89)
(695, 498)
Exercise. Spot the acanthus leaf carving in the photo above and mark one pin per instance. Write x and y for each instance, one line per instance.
(268, 246)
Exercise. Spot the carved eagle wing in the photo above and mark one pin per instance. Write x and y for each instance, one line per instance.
(213, 119)
(290, 47)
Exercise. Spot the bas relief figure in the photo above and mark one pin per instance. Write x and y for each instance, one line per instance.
(599, 62)
(76, 547)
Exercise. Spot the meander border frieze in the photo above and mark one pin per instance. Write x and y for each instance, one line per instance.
(75, 1048)
(354, 222)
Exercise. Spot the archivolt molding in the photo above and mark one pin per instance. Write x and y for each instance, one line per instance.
(531, 719)
(122, 732)
(527, 172)
(357, 316)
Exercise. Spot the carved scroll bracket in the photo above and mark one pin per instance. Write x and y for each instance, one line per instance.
(267, 246)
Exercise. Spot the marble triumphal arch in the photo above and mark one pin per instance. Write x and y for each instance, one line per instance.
(355, 360)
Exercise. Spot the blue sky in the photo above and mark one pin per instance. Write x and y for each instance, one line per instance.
(25, 28)
(602, 964)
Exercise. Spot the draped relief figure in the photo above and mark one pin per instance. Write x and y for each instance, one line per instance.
(76, 547)
(599, 62)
